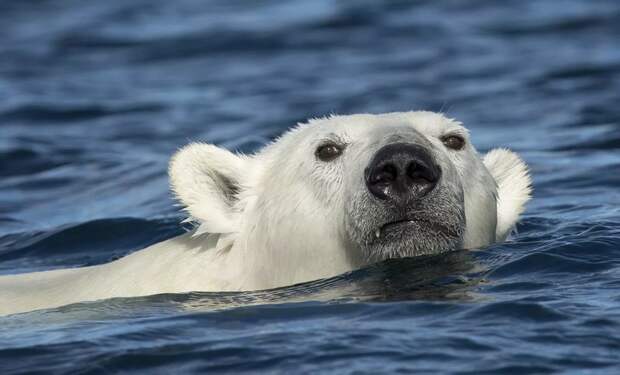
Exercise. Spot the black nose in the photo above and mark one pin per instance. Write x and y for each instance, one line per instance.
(400, 172)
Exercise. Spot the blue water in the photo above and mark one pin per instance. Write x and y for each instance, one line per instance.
(95, 96)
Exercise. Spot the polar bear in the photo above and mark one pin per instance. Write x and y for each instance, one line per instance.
(329, 196)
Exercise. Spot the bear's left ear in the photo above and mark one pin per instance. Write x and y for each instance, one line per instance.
(514, 188)
(206, 180)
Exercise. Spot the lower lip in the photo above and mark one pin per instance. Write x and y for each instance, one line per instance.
(410, 223)
(391, 226)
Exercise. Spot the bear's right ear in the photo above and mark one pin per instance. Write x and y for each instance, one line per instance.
(206, 179)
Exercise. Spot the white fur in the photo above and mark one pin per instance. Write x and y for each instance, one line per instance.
(196, 177)
(278, 217)
(514, 188)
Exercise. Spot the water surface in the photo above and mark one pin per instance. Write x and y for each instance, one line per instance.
(95, 97)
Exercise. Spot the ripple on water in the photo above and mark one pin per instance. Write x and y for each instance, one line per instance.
(96, 96)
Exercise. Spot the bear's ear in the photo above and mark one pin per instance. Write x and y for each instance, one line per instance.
(514, 188)
(206, 180)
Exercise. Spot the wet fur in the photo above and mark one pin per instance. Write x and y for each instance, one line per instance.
(281, 217)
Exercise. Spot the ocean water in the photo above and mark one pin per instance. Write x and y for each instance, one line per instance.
(96, 95)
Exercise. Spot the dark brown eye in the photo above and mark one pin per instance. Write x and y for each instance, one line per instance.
(328, 152)
(454, 142)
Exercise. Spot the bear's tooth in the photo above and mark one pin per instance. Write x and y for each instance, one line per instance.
(378, 233)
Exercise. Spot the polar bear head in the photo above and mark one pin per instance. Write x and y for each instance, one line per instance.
(353, 190)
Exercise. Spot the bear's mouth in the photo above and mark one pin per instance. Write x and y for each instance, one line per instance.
(398, 226)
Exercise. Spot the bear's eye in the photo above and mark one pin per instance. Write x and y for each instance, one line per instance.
(454, 142)
(328, 151)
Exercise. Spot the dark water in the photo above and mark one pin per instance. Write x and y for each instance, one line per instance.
(96, 95)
